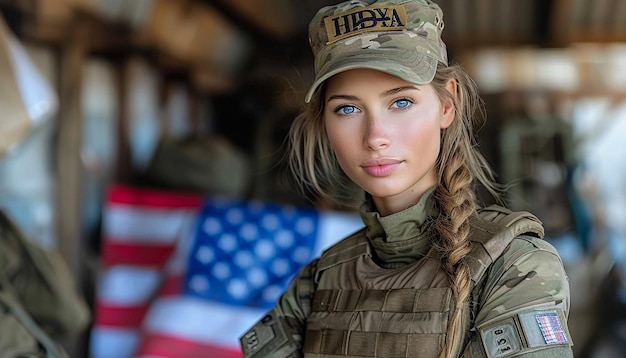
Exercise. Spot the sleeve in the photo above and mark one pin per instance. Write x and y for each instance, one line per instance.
(524, 304)
(280, 332)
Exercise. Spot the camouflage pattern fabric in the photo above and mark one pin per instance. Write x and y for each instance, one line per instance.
(528, 273)
(526, 283)
(399, 37)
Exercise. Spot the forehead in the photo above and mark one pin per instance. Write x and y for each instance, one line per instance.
(362, 83)
(361, 78)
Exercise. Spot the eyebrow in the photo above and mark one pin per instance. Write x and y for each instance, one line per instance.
(398, 90)
(390, 92)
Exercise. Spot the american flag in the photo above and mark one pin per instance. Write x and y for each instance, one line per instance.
(551, 328)
(140, 231)
(216, 266)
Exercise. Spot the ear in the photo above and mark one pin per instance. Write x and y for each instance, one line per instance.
(447, 105)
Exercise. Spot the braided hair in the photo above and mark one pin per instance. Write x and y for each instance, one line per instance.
(459, 166)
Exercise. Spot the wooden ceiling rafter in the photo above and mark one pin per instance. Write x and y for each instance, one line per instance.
(579, 21)
(470, 24)
(479, 23)
(116, 40)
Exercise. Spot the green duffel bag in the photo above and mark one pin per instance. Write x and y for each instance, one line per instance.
(39, 302)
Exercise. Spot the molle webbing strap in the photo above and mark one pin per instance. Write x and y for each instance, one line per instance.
(419, 317)
(493, 230)
(306, 287)
(350, 248)
(372, 344)
(405, 300)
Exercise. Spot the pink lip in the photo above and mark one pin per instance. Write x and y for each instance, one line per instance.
(380, 167)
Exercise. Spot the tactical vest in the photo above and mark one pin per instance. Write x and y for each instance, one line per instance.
(362, 310)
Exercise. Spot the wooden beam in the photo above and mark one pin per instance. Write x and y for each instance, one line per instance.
(68, 163)
(619, 16)
(560, 21)
(123, 160)
(69, 144)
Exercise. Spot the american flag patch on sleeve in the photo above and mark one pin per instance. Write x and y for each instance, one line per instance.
(551, 328)
(544, 327)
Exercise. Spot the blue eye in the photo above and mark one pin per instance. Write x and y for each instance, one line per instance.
(402, 103)
(346, 110)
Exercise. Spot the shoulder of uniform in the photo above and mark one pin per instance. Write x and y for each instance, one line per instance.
(493, 229)
(497, 220)
(528, 254)
(349, 248)
(531, 266)
(526, 244)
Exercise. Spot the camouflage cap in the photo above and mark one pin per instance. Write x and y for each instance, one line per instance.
(399, 37)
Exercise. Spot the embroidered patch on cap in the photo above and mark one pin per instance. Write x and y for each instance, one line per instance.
(361, 20)
(551, 328)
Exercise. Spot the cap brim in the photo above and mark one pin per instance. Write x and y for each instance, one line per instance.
(410, 66)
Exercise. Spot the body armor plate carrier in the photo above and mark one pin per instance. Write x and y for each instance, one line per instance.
(362, 310)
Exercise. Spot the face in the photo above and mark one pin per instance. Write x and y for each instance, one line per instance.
(386, 133)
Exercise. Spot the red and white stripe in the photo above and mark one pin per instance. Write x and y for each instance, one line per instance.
(141, 229)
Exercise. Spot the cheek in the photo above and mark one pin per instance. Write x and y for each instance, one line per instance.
(344, 142)
(424, 140)
(340, 143)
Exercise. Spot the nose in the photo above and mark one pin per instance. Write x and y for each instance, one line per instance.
(376, 133)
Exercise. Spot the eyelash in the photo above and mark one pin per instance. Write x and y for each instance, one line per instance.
(342, 107)
(409, 101)
(405, 99)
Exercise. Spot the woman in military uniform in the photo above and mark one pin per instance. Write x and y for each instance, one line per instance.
(431, 274)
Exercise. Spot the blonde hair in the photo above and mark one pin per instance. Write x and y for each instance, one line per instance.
(311, 158)
(460, 166)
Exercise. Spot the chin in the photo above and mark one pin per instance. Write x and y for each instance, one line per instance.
(384, 192)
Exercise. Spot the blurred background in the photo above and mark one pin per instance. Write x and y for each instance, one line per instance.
(134, 130)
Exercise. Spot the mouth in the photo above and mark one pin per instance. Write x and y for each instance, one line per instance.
(380, 167)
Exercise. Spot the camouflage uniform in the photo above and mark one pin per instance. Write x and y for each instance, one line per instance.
(381, 292)
(514, 294)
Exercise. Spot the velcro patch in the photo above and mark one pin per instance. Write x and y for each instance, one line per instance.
(361, 20)
(527, 331)
(502, 339)
(543, 328)
(268, 335)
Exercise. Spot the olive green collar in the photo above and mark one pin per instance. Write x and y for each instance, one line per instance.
(403, 237)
